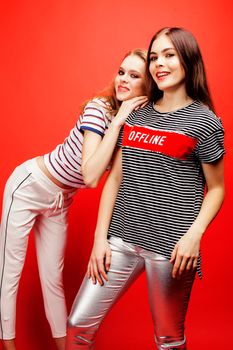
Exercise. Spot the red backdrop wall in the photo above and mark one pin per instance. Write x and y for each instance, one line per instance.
(57, 53)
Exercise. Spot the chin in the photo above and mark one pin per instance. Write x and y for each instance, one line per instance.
(165, 87)
(122, 98)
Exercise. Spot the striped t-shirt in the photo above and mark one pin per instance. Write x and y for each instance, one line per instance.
(64, 162)
(163, 184)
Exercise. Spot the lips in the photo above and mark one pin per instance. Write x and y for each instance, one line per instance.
(162, 75)
(122, 88)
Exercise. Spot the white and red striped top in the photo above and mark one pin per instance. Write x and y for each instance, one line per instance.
(64, 162)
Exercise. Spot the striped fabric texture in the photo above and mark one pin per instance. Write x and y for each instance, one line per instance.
(64, 162)
(163, 183)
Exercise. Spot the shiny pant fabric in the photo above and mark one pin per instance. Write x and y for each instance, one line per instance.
(31, 200)
(168, 297)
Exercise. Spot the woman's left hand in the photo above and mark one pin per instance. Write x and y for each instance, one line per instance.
(186, 252)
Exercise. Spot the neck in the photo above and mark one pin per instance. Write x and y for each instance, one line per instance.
(173, 100)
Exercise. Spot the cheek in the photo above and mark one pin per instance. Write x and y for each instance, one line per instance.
(175, 65)
(138, 88)
(151, 68)
(116, 81)
(182, 72)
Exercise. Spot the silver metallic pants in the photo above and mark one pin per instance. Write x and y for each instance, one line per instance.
(168, 297)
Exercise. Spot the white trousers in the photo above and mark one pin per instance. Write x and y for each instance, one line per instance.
(31, 200)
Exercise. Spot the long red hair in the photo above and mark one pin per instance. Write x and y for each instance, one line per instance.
(108, 93)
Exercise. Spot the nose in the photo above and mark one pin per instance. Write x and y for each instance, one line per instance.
(124, 78)
(159, 61)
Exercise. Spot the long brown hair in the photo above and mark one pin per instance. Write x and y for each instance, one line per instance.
(109, 93)
(191, 59)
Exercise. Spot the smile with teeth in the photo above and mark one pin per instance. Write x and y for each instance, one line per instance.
(161, 75)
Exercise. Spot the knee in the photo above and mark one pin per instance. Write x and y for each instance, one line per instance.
(80, 334)
(170, 343)
(80, 326)
(72, 322)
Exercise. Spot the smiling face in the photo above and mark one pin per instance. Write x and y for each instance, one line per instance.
(165, 67)
(130, 80)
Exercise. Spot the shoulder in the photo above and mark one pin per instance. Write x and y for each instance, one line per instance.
(202, 121)
(206, 116)
(99, 103)
(141, 114)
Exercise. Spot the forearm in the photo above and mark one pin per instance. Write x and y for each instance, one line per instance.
(209, 209)
(94, 167)
(186, 252)
(96, 158)
(108, 198)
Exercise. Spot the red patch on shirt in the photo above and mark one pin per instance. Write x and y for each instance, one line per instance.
(170, 143)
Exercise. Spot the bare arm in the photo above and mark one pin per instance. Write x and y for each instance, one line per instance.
(100, 258)
(186, 251)
(97, 152)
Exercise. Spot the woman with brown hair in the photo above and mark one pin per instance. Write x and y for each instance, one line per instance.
(153, 212)
(40, 191)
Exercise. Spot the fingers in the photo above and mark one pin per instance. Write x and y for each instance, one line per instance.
(97, 269)
(92, 276)
(96, 272)
(138, 99)
(144, 104)
(176, 266)
(141, 99)
(108, 260)
(134, 103)
(194, 266)
(189, 264)
(183, 264)
(139, 103)
(89, 270)
(101, 270)
(95, 275)
(173, 256)
(127, 107)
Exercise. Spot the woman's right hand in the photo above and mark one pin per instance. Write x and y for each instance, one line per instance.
(127, 107)
(100, 260)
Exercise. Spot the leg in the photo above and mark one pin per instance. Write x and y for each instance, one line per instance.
(93, 302)
(169, 299)
(60, 343)
(17, 221)
(50, 239)
(9, 344)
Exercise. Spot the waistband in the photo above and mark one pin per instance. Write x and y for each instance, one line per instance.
(32, 166)
(124, 246)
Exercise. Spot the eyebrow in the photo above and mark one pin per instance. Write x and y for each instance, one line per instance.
(164, 50)
(130, 70)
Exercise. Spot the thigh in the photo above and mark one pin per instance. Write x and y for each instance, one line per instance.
(168, 298)
(50, 238)
(17, 216)
(94, 301)
(51, 229)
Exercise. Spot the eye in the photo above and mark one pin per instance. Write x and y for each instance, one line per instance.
(121, 72)
(168, 55)
(153, 58)
(134, 76)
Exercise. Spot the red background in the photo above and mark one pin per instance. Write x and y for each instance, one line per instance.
(54, 55)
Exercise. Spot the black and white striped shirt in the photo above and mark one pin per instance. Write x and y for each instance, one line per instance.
(163, 184)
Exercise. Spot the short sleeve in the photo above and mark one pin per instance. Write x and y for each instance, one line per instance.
(212, 147)
(93, 118)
